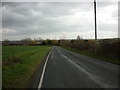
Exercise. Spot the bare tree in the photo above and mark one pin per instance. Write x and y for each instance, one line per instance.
(6, 42)
(79, 37)
(26, 41)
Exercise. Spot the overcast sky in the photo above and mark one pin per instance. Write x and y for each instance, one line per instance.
(57, 20)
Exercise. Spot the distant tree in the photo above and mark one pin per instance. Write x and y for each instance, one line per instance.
(58, 42)
(26, 41)
(48, 42)
(54, 42)
(40, 39)
(33, 42)
(62, 37)
(44, 43)
(64, 43)
(6, 42)
(79, 37)
(72, 41)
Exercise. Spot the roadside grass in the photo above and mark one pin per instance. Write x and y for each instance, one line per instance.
(114, 61)
(20, 63)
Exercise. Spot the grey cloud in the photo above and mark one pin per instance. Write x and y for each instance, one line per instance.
(43, 18)
(107, 27)
(48, 8)
(119, 9)
(105, 4)
(115, 13)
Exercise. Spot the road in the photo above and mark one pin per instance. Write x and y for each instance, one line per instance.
(66, 69)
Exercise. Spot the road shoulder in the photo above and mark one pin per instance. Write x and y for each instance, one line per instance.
(35, 79)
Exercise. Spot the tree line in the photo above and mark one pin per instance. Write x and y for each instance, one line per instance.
(104, 47)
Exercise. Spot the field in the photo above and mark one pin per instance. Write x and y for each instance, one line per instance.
(19, 64)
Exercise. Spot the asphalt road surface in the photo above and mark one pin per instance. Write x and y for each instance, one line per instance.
(66, 69)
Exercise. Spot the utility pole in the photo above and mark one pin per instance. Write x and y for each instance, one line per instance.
(95, 24)
(95, 20)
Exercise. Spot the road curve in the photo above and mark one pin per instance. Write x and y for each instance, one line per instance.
(66, 69)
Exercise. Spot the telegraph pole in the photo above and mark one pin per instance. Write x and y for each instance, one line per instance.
(95, 24)
(95, 20)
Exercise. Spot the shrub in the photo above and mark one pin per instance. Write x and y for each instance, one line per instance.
(109, 49)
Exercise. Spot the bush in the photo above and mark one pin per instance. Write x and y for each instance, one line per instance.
(109, 49)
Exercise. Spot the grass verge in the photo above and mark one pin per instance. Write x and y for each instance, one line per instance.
(114, 61)
(19, 64)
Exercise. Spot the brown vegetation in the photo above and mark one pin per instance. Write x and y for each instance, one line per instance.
(108, 48)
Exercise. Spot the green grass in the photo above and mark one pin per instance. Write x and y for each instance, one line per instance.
(114, 61)
(17, 74)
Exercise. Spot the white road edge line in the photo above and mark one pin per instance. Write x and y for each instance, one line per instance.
(95, 79)
(43, 72)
